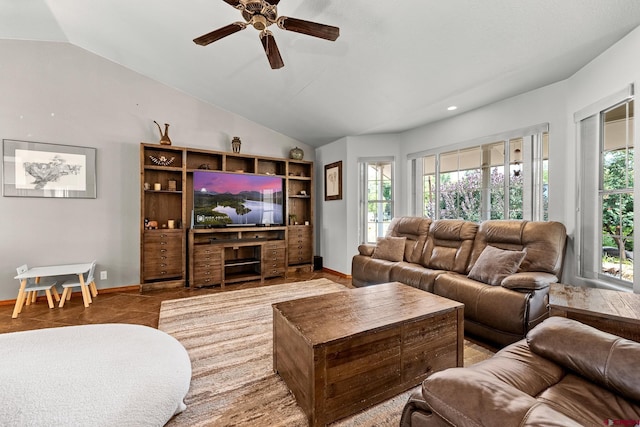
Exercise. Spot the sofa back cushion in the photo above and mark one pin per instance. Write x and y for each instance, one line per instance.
(603, 358)
(415, 229)
(449, 245)
(543, 243)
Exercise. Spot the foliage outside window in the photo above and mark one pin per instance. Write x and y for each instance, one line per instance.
(471, 183)
(616, 192)
(377, 208)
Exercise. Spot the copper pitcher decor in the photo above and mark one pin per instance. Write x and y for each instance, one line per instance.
(164, 138)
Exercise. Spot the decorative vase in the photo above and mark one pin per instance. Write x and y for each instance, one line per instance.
(296, 153)
(164, 138)
(235, 144)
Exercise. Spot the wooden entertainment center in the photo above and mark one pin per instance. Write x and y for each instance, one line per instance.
(173, 253)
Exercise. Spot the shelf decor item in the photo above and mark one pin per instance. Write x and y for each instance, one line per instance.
(35, 169)
(162, 160)
(235, 144)
(164, 138)
(296, 153)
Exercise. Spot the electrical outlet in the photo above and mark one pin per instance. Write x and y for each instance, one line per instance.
(103, 275)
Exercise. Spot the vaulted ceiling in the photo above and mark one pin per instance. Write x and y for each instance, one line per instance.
(395, 66)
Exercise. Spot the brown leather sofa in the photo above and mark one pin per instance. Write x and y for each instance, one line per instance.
(440, 256)
(564, 373)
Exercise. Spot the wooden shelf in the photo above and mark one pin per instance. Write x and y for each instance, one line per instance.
(236, 262)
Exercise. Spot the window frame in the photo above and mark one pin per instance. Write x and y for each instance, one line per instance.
(363, 205)
(532, 160)
(589, 124)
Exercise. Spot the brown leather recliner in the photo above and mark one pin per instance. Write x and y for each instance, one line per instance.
(564, 373)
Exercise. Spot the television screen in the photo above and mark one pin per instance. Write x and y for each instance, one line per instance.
(222, 198)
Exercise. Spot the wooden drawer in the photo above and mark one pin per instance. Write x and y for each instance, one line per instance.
(275, 245)
(207, 276)
(162, 270)
(162, 254)
(207, 265)
(302, 257)
(299, 245)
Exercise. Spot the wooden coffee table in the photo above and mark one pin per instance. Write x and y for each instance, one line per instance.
(342, 352)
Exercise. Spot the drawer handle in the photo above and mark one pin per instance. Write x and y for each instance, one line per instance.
(163, 250)
(163, 272)
(163, 243)
(163, 265)
(163, 235)
(163, 257)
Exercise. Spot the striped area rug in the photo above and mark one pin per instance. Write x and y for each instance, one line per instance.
(229, 339)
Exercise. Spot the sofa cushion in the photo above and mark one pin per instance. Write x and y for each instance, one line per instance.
(494, 264)
(414, 275)
(493, 306)
(390, 248)
(517, 366)
(449, 245)
(543, 243)
(466, 397)
(415, 229)
(587, 402)
(599, 356)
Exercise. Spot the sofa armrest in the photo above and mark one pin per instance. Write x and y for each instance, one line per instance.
(366, 249)
(528, 281)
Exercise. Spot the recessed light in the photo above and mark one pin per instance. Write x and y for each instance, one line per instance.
(453, 107)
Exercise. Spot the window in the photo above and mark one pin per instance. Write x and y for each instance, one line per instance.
(376, 203)
(606, 216)
(471, 183)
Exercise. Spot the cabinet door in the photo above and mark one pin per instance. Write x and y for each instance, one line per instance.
(273, 259)
(300, 245)
(207, 265)
(163, 251)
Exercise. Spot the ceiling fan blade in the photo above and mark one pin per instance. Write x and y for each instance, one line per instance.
(219, 33)
(309, 28)
(271, 49)
(233, 3)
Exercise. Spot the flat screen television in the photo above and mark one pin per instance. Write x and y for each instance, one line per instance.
(227, 199)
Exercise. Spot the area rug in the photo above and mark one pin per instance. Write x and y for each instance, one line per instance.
(229, 339)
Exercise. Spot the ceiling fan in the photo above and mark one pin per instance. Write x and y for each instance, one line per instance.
(261, 14)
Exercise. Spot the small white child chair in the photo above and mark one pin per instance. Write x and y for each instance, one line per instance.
(74, 282)
(34, 286)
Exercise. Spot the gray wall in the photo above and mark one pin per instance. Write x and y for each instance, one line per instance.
(555, 104)
(59, 93)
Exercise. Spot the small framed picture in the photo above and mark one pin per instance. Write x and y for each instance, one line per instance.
(333, 181)
(36, 169)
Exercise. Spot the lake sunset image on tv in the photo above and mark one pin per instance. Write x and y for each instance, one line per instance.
(221, 198)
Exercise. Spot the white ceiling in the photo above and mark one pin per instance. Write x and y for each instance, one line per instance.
(395, 66)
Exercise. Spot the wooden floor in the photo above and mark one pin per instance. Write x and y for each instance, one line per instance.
(124, 307)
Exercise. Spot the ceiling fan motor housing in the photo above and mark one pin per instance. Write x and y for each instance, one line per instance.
(259, 22)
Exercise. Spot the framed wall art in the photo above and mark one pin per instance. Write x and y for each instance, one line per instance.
(333, 181)
(36, 169)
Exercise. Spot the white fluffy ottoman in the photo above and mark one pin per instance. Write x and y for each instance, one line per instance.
(92, 375)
